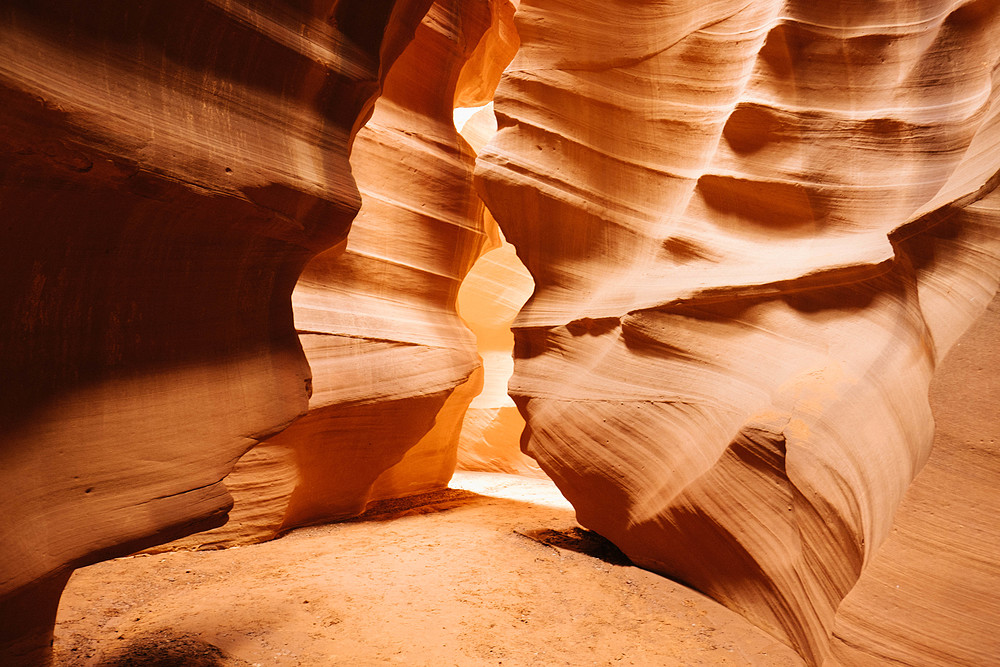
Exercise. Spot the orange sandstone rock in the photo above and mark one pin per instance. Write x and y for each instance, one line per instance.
(166, 169)
(488, 301)
(754, 230)
(490, 297)
(394, 368)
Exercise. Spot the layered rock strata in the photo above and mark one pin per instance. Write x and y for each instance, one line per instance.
(394, 368)
(754, 230)
(489, 300)
(166, 170)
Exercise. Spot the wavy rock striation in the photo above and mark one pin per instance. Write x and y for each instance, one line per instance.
(754, 231)
(928, 597)
(394, 368)
(166, 170)
(489, 300)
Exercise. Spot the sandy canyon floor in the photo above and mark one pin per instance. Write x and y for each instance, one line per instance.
(494, 571)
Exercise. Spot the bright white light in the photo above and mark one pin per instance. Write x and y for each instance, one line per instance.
(463, 114)
(512, 487)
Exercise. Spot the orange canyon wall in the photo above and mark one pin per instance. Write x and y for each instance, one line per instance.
(166, 171)
(393, 366)
(753, 230)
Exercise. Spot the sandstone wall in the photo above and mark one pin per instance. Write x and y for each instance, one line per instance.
(489, 299)
(393, 366)
(754, 230)
(166, 170)
(928, 597)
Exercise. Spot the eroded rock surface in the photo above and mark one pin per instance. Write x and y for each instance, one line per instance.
(928, 596)
(394, 368)
(166, 170)
(754, 230)
(490, 298)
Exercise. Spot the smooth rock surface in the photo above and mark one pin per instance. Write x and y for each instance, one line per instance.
(754, 230)
(929, 595)
(394, 367)
(166, 170)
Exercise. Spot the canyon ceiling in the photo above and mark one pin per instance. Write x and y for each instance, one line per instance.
(252, 271)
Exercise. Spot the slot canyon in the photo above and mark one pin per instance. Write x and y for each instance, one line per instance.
(499, 332)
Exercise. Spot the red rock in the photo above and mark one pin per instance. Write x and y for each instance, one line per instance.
(167, 169)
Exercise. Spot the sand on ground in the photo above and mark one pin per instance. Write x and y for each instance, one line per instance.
(494, 571)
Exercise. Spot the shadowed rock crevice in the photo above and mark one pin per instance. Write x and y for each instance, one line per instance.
(394, 367)
(753, 232)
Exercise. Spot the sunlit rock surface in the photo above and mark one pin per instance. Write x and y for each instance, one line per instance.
(394, 367)
(489, 300)
(928, 596)
(166, 170)
(754, 230)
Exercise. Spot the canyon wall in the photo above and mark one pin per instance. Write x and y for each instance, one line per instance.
(166, 170)
(928, 597)
(489, 300)
(754, 230)
(393, 366)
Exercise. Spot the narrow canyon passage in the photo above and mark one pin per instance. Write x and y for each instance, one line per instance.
(695, 278)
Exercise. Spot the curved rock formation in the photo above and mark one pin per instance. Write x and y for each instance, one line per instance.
(754, 230)
(488, 302)
(166, 169)
(393, 366)
(392, 294)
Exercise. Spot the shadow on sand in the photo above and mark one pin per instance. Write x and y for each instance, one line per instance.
(162, 650)
(580, 540)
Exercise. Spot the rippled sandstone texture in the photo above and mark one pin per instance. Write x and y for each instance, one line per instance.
(928, 597)
(394, 368)
(754, 230)
(166, 170)
(385, 310)
(489, 300)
